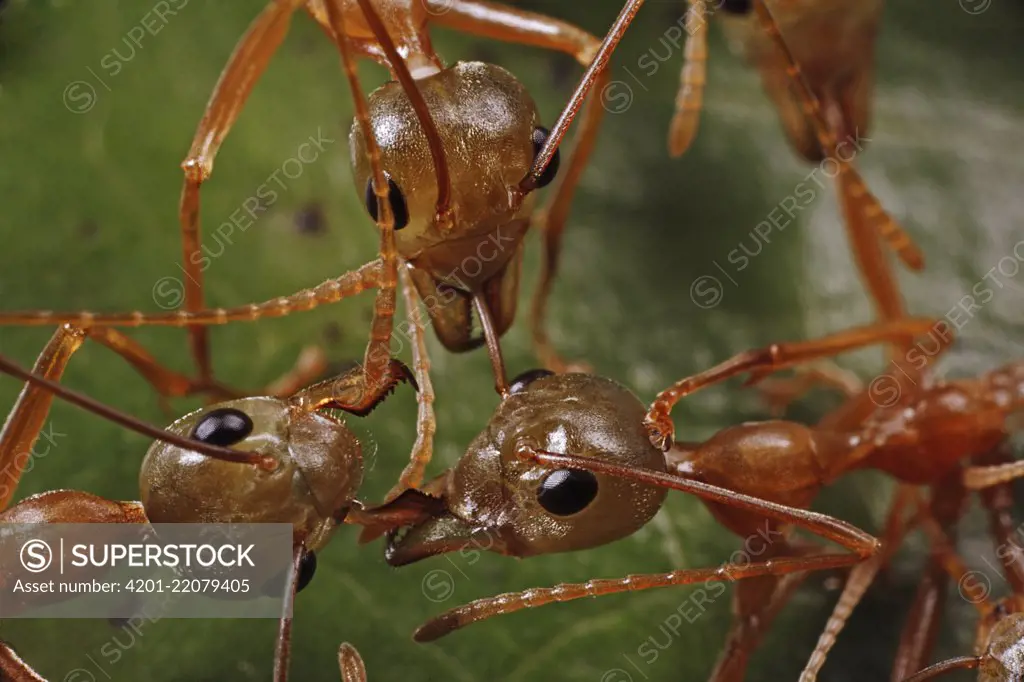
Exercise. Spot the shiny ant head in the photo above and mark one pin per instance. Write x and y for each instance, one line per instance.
(319, 469)
(1003, 660)
(494, 499)
(489, 130)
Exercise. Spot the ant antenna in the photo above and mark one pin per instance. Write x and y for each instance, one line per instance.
(127, 421)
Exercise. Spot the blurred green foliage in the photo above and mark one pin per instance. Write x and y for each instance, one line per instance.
(90, 190)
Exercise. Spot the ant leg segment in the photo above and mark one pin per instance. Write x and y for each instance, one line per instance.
(245, 66)
(369, 276)
(982, 477)
(770, 359)
(283, 648)
(998, 502)
(350, 392)
(781, 392)
(377, 359)
(350, 663)
(26, 420)
(426, 424)
(692, 79)
(14, 669)
(493, 345)
(860, 579)
(857, 583)
(755, 605)
(922, 626)
(860, 544)
(931, 672)
(888, 229)
(876, 272)
(116, 416)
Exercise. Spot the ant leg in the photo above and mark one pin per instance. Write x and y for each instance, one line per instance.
(377, 359)
(692, 80)
(246, 64)
(873, 214)
(876, 272)
(394, 60)
(14, 669)
(20, 430)
(781, 392)
(493, 345)
(26, 420)
(998, 502)
(350, 392)
(858, 582)
(917, 638)
(283, 648)
(351, 664)
(426, 424)
(369, 276)
(772, 358)
(961, 663)
(861, 546)
(755, 605)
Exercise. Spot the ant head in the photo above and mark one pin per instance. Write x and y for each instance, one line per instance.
(494, 499)
(1003, 659)
(319, 469)
(488, 127)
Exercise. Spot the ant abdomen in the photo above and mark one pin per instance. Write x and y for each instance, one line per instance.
(319, 469)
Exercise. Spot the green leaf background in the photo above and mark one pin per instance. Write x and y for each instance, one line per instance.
(88, 220)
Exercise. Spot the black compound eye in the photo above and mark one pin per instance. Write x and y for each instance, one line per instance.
(225, 426)
(395, 197)
(736, 6)
(307, 568)
(567, 491)
(540, 135)
(521, 382)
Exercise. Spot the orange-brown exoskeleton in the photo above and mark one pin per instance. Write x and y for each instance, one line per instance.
(446, 157)
(817, 64)
(250, 460)
(587, 428)
(609, 479)
(919, 430)
(999, 639)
